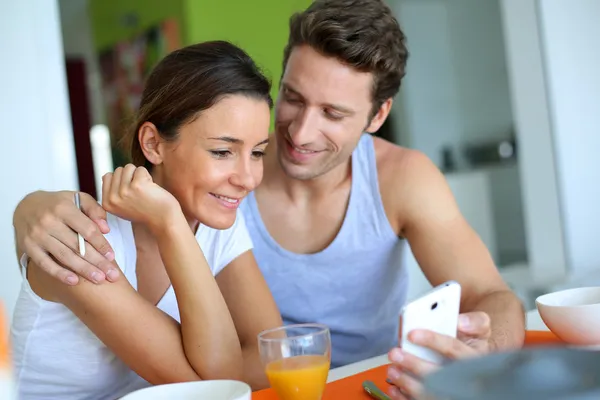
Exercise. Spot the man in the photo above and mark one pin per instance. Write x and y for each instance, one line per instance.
(336, 206)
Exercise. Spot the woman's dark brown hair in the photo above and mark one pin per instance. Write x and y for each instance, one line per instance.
(189, 81)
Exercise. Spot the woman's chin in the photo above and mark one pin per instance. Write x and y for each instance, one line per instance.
(218, 220)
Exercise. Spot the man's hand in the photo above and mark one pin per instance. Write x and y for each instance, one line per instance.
(46, 226)
(474, 332)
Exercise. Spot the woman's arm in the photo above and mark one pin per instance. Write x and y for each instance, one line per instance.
(205, 346)
(253, 310)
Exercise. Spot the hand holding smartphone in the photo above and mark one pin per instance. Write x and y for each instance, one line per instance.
(436, 311)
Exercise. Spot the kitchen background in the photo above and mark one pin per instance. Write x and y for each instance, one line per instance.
(503, 95)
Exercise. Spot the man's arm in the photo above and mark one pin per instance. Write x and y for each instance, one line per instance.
(46, 224)
(447, 248)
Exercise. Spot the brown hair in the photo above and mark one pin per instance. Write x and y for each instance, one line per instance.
(361, 33)
(189, 81)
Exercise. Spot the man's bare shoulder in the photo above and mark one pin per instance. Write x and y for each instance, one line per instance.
(402, 164)
(408, 180)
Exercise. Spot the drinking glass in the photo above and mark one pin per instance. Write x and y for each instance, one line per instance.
(297, 359)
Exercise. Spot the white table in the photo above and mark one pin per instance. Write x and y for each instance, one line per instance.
(534, 322)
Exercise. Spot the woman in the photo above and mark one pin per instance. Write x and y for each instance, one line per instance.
(201, 131)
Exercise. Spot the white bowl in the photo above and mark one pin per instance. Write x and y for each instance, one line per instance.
(573, 314)
(200, 390)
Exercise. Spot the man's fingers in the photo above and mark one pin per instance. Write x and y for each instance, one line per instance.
(447, 346)
(46, 263)
(87, 228)
(92, 209)
(477, 324)
(396, 394)
(89, 265)
(70, 260)
(91, 233)
(404, 386)
(410, 363)
(107, 266)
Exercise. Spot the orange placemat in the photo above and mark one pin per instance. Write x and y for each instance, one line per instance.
(350, 388)
(541, 338)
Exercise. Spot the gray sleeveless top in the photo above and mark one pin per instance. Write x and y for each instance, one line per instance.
(357, 285)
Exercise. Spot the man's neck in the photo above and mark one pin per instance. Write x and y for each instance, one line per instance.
(298, 190)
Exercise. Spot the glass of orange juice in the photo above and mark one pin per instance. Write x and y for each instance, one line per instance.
(297, 359)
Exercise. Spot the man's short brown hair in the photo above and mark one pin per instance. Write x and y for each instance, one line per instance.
(360, 33)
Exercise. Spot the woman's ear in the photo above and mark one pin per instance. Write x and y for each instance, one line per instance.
(151, 143)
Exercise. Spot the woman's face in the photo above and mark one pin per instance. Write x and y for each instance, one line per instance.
(216, 160)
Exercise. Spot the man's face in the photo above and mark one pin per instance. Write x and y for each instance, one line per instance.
(322, 109)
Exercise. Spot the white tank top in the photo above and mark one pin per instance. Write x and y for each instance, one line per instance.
(57, 357)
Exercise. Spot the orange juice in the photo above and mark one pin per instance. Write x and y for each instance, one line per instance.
(4, 357)
(6, 382)
(299, 377)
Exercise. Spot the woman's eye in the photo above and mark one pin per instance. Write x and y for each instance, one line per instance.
(220, 153)
(258, 154)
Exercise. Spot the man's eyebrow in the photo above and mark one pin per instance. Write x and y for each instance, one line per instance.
(342, 109)
(337, 107)
(290, 88)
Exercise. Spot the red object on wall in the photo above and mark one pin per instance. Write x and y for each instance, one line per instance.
(82, 122)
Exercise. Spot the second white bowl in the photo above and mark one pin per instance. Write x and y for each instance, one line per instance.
(573, 314)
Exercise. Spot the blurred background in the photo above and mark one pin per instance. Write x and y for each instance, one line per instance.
(503, 95)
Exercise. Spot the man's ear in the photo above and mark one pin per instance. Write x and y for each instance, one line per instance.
(380, 116)
(150, 142)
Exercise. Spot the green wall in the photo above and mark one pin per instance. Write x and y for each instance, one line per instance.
(260, 27)
(108, 18)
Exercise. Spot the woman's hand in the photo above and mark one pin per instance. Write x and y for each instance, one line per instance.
(131, 194)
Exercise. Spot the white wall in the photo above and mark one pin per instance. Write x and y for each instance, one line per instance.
(429, 107)
(570, 33)
(456, 87)
(553, 54)
(34, 110)
(456, 92)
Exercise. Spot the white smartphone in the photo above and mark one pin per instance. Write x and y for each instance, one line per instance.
(436, 311)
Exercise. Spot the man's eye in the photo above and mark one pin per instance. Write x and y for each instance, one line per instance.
(333, 115)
